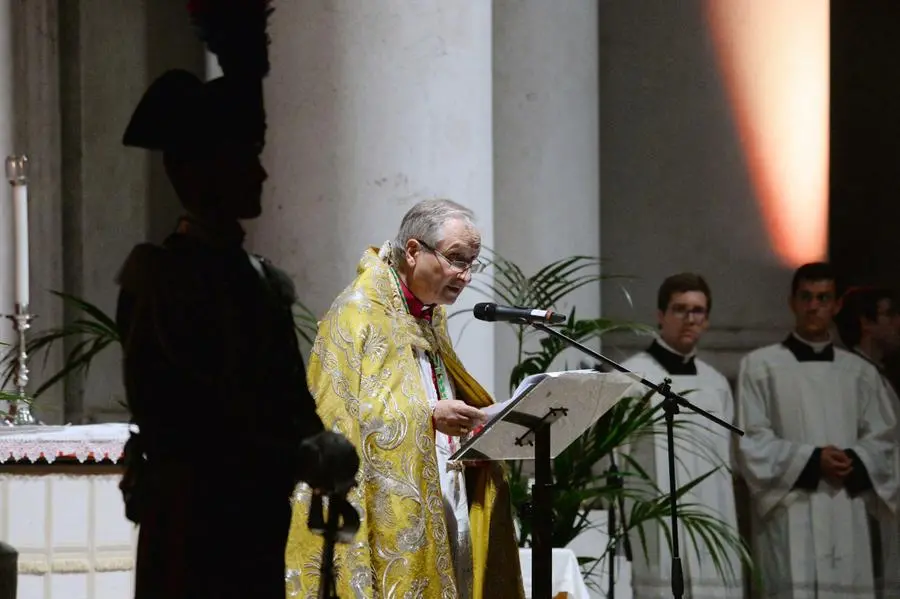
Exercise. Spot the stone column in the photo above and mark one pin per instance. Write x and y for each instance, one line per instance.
(37, 129)
(113, 197)
(105, 186)
(7, 147)
(373, 106)
(546, 143)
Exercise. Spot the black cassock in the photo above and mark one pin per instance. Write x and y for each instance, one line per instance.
(216, 384)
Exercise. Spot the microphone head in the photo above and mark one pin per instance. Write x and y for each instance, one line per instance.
(485, 311)
(556, 318)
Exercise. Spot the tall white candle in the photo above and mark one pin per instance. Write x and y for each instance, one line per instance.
(20, 211)
(18, 177)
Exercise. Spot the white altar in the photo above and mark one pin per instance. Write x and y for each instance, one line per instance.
(61, 509)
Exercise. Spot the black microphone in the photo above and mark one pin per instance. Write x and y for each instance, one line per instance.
(494, 313)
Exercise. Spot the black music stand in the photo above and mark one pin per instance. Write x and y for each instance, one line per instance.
(565, 404)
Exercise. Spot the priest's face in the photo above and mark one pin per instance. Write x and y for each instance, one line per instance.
(814, 305)
(437, 274)
(684, 321)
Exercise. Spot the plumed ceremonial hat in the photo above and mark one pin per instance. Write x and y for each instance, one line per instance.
(181, 114)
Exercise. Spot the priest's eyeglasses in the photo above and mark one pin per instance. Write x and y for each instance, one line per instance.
(460, 266)
(686, 313)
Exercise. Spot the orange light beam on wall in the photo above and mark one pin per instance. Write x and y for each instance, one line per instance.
(774, 58)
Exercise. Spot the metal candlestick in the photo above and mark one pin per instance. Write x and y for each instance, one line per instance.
(20, 409)
(16, 169)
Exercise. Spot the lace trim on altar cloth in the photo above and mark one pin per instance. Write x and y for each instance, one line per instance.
(75, 566)
(95, 441)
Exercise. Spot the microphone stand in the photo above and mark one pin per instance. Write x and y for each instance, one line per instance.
(340, 527)
(615, 481)
(672, 402)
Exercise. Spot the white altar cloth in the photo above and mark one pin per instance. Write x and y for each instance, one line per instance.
(566, 574)
(97, 441)
(65, 516)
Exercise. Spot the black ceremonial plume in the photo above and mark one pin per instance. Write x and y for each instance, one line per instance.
(235, 31)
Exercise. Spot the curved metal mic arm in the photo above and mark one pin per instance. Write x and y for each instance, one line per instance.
(341, 526)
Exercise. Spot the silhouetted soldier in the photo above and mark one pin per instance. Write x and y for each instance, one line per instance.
(213, 373)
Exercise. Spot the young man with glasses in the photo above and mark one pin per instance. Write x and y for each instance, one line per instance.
(819, 452)
(684, 302)
(384, 373)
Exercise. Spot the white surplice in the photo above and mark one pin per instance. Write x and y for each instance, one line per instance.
(703, 446)
(887, 525)
(814, 544)
(453, 488)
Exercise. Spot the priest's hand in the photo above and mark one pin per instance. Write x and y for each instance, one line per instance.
(835, 465)
(456, 418)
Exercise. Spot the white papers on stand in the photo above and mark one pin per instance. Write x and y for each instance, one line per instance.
(529, 383)
(584, 395)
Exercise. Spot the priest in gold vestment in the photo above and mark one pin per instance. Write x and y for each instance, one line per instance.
(384, 373)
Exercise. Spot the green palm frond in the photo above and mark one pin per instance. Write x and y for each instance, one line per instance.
(579, 489)
(505, 282)
(92, 327)
(584, 331)
(698, 525)
(92, 332)
(305, 323)
(9, 396)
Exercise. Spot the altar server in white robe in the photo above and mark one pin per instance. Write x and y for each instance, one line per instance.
(869, 326)
(819, 450)
(684, 302)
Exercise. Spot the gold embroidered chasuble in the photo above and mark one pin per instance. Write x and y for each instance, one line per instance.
(368, 385)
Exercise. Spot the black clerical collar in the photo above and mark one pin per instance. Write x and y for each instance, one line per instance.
(674, 363)
(805, 352)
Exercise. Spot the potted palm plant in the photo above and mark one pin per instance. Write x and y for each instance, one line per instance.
(579, 486)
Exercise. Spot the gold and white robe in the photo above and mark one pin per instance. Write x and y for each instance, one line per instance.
(369, 384)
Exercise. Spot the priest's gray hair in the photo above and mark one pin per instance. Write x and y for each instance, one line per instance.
(425, 221)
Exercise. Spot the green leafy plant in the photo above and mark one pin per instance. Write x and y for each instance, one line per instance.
(93, 329)
(579, 488)
(11, 397)
(305, 324)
